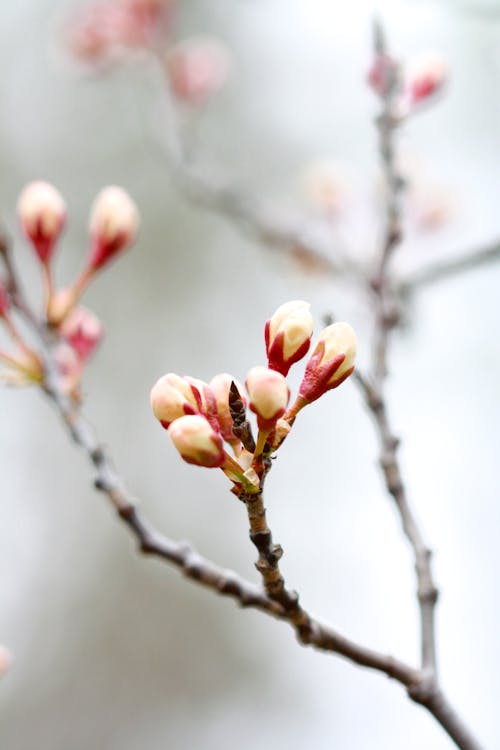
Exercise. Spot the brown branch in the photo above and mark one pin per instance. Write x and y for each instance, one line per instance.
(446, 269)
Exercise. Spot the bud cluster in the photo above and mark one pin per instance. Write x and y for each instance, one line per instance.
(113, 227)
(200, 417)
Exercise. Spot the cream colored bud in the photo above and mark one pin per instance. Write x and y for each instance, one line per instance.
(42, 212)
(172, 397)
(338, 338)
(269, 395)
(60, 304)
(289, 333)
(197, 442)
(114, 221)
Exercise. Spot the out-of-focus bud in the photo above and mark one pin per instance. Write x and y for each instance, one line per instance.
(4, 301)
(5, 660)
(83, 331)
(173, 397)
(331, 362)
(114, 221)
(288, 335)
(60, 304)
(42, 212)
(220, 386)
(425, 76)
(197, 442)
(382, 74)
(269, 396)
(197, 68)
(69, 367)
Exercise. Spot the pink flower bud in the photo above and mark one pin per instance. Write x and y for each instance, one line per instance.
(114, 221)
(69, 367)
(83, 331)
(4, 301)
(426, 75)
(382, 73)
(42, 212)
(288, 335)
(197, 442)
(173, 397)
(220, 386)
(269, 395)
(5, 660)
(197, 68)
(331, 362)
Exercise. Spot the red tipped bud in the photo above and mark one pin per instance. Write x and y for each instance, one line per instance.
(42, 212)
(331, 362)
(83, 331)
(382, 74)
(4, 301)
(220, 386)
(197, 68)
(114, 221)
(197, 442)
(269, 395)
(288, 335)
(425, 76)
(173, 397)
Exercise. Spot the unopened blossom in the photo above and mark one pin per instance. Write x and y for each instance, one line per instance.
(83, 331)
(114, 221)
(172, 397)
(4, 301)
(5, 659)
(288, 335)
(42, 213)
(60, 305)
(331, 362)
(382, 74)
(197, 68)
(269, 395)
(425, 76)
(220, 385)
(197, 442)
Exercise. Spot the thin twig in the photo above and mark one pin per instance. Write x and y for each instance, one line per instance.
(446, 269)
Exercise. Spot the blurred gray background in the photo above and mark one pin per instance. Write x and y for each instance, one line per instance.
(116, 652)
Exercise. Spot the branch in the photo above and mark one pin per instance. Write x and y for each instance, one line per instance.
(443, 270)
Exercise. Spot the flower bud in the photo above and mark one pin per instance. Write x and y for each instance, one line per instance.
(173, 397)
(269, 395)
(114, 221)
(60, 304)
(220, 386)
(5, 660)
(42, 212)
(197, 442)
(425, 76)
(83, 331)
(197, 68)
(288, 335)
(4, 301)
(331, 362)
(382, 74)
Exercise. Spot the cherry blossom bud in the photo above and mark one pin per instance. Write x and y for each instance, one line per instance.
(382, 74)
(288, 335)
(114, 221)
(197, 68)
(197, 442)
(60, 304)
(269, 395)
(4, 301)
(5, 660)
(42, 212)
(173, 397)
(426, 75)
(220, 386)
(331, 362)
(83, 331)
